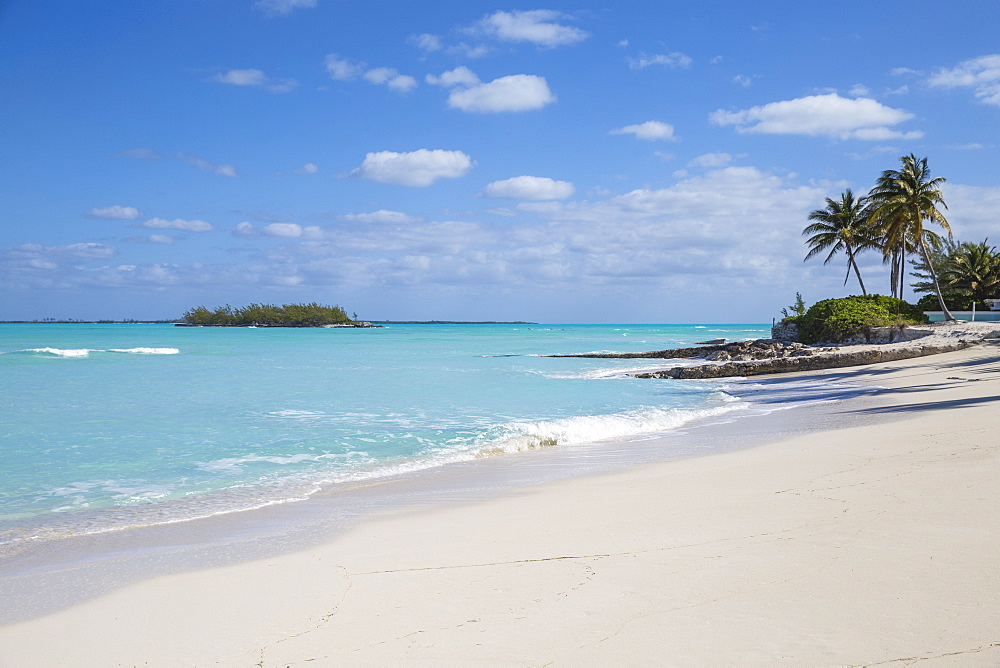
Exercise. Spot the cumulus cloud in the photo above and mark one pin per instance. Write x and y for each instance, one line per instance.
(255, 78)
(115, 212)
(380, 216)
(388, 76)
(820, 115)
(343, 69)
(530, 188)
(282, 7)
(517, 92)
(426, 42)
(346, 69)
(178, 224)
(981, 74)
(278, 231)
(307, 169)
(460, 76)
(671, 60)
(648, 131)
(417, 168)
(537, 26)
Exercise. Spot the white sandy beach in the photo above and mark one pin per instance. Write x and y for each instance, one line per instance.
(875, 544)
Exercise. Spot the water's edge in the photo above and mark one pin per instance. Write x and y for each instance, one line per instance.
(53, 575)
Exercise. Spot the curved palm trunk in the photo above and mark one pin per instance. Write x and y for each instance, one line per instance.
(851, 262)
(937, 287)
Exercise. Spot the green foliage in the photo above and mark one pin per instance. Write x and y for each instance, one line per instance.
(798, 308)
(835, 320)
(268, 315)
(953, 302)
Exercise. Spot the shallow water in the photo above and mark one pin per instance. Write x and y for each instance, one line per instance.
(113, 426)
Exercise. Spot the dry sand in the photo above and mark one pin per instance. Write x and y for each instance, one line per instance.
(874, 544)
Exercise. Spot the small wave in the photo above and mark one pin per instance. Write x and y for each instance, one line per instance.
(521, 436)
(85, 352)
(62, 352)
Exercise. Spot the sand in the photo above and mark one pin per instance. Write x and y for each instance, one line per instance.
(873, 544)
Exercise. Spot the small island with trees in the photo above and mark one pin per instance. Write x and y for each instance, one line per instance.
(268, 315)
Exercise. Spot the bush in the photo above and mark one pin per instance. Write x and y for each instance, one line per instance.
(954, 303)
(838, 319)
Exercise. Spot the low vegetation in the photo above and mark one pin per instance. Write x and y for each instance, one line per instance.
(836, 320)
(268, 315)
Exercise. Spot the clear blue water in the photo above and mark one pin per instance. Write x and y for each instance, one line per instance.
(106, 426)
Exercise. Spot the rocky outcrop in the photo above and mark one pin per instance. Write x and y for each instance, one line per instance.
(807, 362)
(738, 350)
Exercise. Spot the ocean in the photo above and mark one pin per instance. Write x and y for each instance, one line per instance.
(111, 426)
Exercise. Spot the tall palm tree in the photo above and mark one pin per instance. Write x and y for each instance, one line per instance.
(841, 226)
(902, 200)
(974, 268)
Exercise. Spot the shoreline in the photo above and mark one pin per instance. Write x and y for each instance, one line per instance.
(570, 530)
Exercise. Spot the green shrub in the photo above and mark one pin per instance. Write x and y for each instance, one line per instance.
(954, 303)
(835, 320)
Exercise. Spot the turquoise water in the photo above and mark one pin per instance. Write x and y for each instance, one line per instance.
(107, 426)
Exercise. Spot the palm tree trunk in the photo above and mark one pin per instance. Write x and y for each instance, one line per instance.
(927, 258)
(851, 262)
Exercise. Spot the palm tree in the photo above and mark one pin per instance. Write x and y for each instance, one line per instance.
(902, 200)
(841, 226)
(974, 268)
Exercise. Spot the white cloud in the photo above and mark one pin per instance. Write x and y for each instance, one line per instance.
(225, 170)
(81, 251)
(537, 26)
(115, 212)
(278, 231)
(427, 42)
(711, 160)
(518, 92)
(648, 131)
(530, 188)
(460, 76)
(388, 76)
(255, 78)
(380, 216)
(417, 168)
(178, 224)
(282, 7)
(307, 169)
(242, 78)
(152, 239)
(742, 80)
(859, 90)
(672, 60)
(981, 74)
(820, 115)
(345, 69)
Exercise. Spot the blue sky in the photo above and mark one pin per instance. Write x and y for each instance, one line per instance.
(563, 162)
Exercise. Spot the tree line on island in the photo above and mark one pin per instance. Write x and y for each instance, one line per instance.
(268, 315)
(892, 220)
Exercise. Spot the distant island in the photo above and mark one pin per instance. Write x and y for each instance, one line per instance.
(268, 315)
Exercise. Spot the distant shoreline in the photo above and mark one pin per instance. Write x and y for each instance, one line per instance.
(179, 322)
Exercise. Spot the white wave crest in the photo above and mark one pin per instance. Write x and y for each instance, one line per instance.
(62, 352)
(146, 351)
(520, 436)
